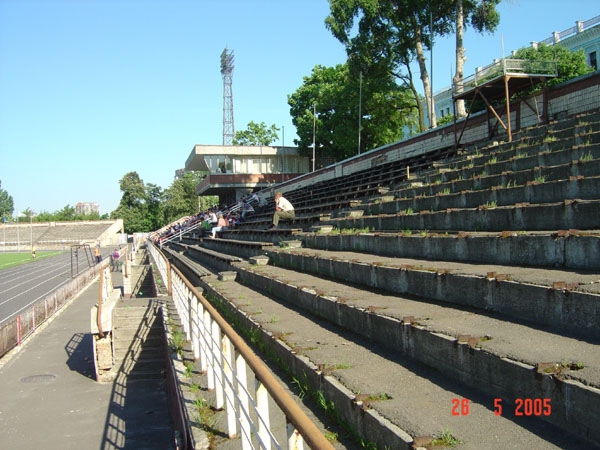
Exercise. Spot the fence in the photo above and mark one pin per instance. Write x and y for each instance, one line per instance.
(514, 67)
(226, 358)
(20, 326)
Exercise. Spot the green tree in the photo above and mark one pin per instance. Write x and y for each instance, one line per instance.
(155, 206)
(7, 205)
(569, 64)
(397, 33)
(45, 216)
(256, 134)
(133, 207)
(180, 198)
(65, 214)
(206, 202)
(328, 103)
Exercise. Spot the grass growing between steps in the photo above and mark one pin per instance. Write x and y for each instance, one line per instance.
(254, 336)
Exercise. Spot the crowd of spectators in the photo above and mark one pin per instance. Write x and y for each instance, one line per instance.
(214, 220)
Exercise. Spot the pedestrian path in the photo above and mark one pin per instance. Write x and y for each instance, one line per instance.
(50, 397)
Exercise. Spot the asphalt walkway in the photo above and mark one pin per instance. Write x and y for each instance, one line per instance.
(50, 398)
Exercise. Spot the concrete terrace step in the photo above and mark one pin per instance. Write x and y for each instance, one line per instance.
(402, 381)
(575, 169)
(532, 193)
(568, 249)
(565, 301)
(564, 215)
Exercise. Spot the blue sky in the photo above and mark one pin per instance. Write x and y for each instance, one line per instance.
(93, 89)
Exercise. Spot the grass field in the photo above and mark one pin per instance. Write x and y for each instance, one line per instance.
(14, 259)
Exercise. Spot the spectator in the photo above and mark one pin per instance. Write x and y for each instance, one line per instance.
(246, 209)
(261, 201)
(114, 261)
(283, 210)
(222, 225)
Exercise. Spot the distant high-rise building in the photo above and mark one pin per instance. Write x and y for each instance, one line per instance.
(86, 208)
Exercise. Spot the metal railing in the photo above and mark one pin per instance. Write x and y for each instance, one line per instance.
(503, 67)
(225, 358)
(15, 329)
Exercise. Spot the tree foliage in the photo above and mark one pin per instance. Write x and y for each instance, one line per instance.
(180, 198)
(134, 207)
(256, 134)
(66, 214)
(328, 103)
(569, 64)
(7, 205)
(396, 34)
(147, 207)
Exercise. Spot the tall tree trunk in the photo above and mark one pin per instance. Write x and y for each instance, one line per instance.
(413, 89)
(425, 77)
(409, 81)
(460, 58)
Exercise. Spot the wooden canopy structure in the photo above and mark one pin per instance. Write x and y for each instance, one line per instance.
(499, 81)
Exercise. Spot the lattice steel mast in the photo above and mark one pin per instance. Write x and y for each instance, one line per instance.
(227, 72)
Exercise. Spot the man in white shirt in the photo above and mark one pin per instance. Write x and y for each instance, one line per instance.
(283, 210)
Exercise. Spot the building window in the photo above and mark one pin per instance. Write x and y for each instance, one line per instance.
(593, 60)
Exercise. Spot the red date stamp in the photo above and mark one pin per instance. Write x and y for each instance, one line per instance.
(460, 407)
(522, 407)
(527, 407)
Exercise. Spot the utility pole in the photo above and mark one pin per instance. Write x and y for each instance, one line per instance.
(359, 110)
(314, 133)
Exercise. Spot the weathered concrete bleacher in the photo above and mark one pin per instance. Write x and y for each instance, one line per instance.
(471, 278)
(58, 235)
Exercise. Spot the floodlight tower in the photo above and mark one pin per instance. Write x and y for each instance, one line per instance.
(227, 72)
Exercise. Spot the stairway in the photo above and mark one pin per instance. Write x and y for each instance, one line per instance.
(140, 403)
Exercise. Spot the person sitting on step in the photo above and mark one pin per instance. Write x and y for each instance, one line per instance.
(283, 210)
(222, 225)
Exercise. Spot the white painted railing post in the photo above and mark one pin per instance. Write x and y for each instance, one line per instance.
(243, 400)
(215, 342)
(210, 368)
(228, 353)
(262, 409)
(218, 365)
(195, 323)
(295, 441)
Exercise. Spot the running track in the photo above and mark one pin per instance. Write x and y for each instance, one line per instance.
(23, 285)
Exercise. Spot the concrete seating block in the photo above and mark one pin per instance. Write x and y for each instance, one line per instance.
(260, 260)
(291, 244)
(353, 213)
(383, 199)
(227, 276)
(321, 228)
